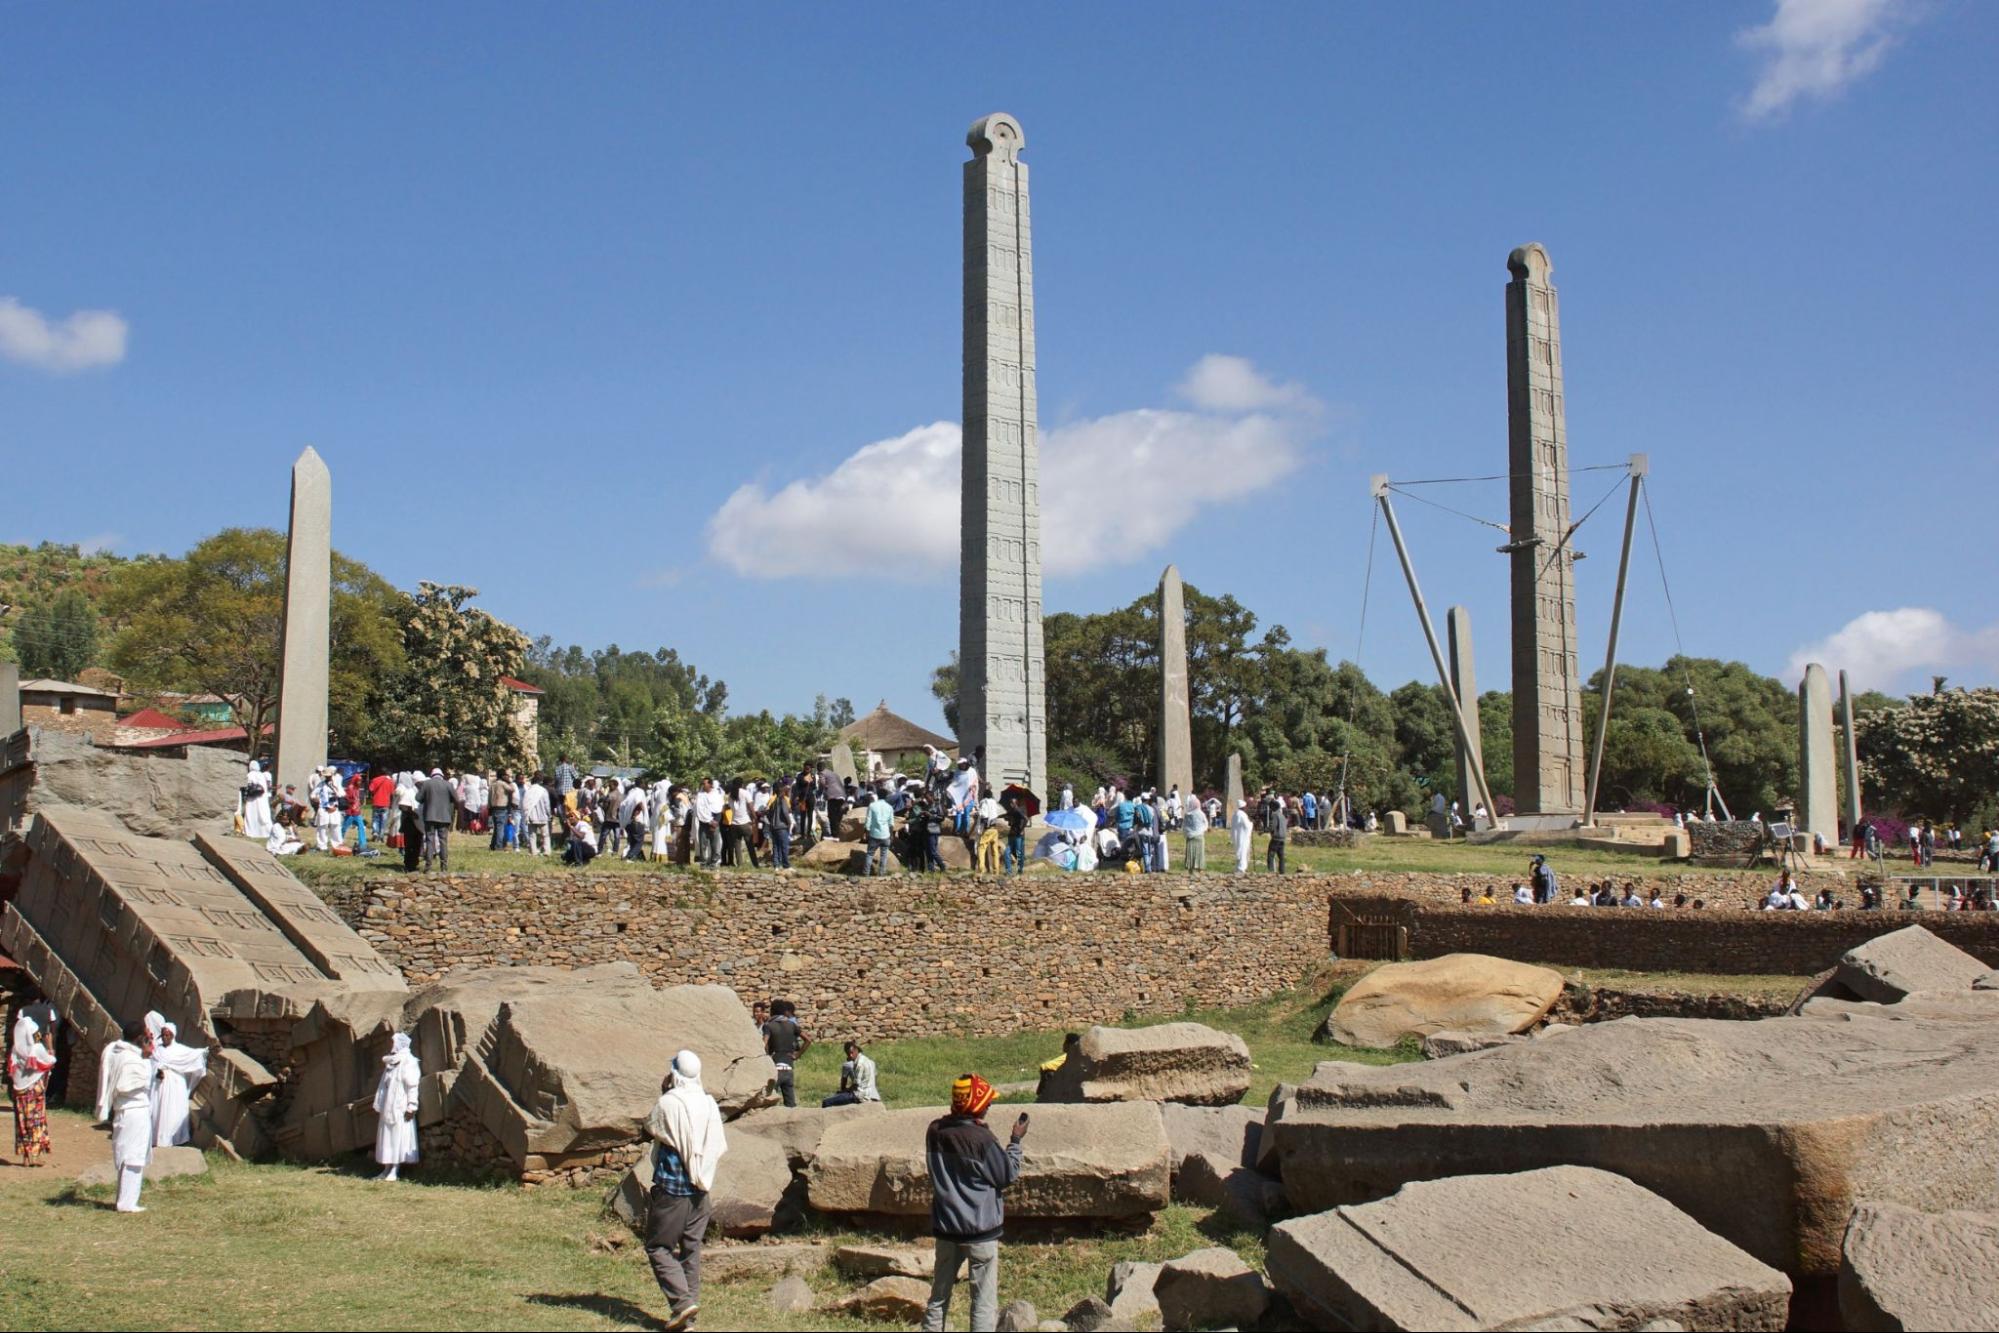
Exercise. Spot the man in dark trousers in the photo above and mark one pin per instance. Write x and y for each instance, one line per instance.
(784, 1042)
(968, 1169)
(436, 803)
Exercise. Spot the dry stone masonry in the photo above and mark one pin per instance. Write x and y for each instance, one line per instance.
(1002, 710)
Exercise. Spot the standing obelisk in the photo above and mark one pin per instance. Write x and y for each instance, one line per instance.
(1176, 739)
(1002, 710)
(1547, 692)
(1464, 680)
(308, 616)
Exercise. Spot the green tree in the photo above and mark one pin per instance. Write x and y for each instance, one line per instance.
(1938, 756)
(57, 639)
(449, 706)
(212, 622)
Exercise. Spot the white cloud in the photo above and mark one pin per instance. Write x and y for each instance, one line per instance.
(101, 543)
(1816, 48)
(1889, 650)
(892, 507)
(85, 339)
(1232, 384)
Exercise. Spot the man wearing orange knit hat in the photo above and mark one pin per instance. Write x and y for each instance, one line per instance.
(968, 1170)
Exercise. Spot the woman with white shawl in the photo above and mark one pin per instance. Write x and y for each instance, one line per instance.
(1240, 830)
(687, 1126)
(256, 802)
(395, 1108)
(176, 1071)
(124, 1097)
(30, 1057)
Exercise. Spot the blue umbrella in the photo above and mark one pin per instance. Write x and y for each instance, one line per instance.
(1072, 821)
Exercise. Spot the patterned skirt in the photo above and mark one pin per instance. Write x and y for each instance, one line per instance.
(31, 1119)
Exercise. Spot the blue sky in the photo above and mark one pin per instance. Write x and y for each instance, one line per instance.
(644, 319)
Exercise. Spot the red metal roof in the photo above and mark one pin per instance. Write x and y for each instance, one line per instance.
(152, 719)
(521, 686)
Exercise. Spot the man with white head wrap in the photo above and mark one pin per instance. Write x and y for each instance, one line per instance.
(436, 803)
(124, 1097)
(1240, 830)
(687, 1127)
(328, 802)
(176, 1071)
(395, 1108)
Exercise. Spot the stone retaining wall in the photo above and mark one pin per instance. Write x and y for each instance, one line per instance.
(1723, 941)
(904, 956)
(882, 958)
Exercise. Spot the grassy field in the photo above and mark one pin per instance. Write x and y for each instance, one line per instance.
(305, 1247)
(918, 1071)
(255, 1246)
(1502, 862)
(276, 1246)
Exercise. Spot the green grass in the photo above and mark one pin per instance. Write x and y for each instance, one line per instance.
(275, 1246)
(918, 1071)
(1504, 863)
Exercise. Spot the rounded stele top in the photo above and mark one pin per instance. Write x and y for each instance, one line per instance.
(997, 133)
(1530, 261)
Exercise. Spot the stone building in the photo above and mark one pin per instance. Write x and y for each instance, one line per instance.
(61, 705)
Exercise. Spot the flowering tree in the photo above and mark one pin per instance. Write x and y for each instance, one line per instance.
(450, 706)
(1936, 756)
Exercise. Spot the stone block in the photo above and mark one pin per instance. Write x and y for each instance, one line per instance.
(888, 1300)
(1890, 966)
(1229, 1134)
(1462, 992)
(793, 1295)
(1904, 1269)
(1108, 1162)
(798, 1129)
(1211, 1288)
(750, 1185)
(1425, 1258)
(1763, 1132)
(873, 1261)
(1129, 1291)
(1395, 824)
(1168, 1062)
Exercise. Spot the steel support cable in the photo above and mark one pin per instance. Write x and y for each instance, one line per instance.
(1562, 545)
(1360, 640)
(1396, 486)
(1509, 476)
(1679, 644)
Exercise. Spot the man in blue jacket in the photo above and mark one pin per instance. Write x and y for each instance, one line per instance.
(968, 1170)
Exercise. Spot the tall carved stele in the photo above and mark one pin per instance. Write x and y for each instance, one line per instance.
(1002, 708)
(1176, 723)
(1548, 772)
(308, 623)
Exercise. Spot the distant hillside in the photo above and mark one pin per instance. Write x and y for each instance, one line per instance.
(32, 576)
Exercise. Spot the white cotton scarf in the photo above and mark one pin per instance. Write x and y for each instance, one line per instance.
(687, 1120)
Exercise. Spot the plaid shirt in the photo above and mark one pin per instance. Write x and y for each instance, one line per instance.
(669, 1173)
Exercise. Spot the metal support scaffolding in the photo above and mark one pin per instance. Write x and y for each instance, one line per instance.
(1639, 467)
(1378, 488)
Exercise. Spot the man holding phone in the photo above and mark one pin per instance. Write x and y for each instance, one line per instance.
(968, 1170)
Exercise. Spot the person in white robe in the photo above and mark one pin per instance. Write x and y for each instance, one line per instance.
(124, 1098)
(687, 1126)
(963, 794)
(659, 809)
(256, 798)
(176, 1071)
(327, 794)
(1240, 830)
(395, 1108)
